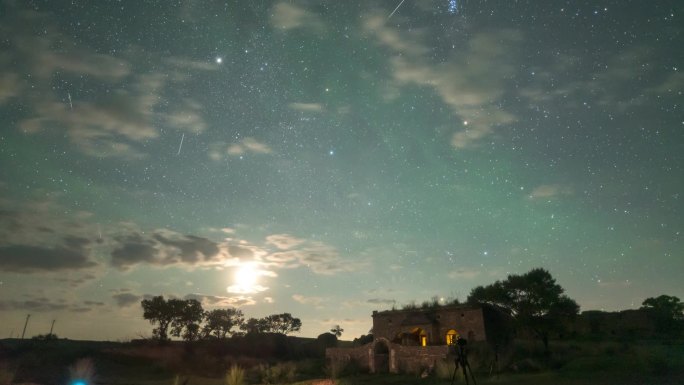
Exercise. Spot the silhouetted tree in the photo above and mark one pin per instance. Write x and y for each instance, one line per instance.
(158, 311)
(182, 316)
(188, 314)
(669, 306)
(364, 339)
(337, 331)
(220, 322)
(282, 323)
(254, 326)
(667, 310)
(534, 299)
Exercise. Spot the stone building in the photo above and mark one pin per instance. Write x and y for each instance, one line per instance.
(413, 339)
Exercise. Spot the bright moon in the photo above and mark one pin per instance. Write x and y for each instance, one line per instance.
(246, 277)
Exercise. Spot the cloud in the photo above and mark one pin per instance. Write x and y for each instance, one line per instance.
(381, 301)
(313, 301)
(164, 248)
(187, 118)
(109, 126)
(463, 273)
(219, 150)
(219, 301)
(36, 237)
(31, 259)
(190, 64)
(288, 16)
(9, 86)
(471, 83)
(43, 305)
(284, 241)
(126, 299)
(118, 123)
(549, 191)
(317, 256)
(307, 107)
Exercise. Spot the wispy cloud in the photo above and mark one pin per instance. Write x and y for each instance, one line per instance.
(317, 256)
(116, 124)
(313, 301)
(463, 273)
(548, 191)
(284, 241)
(211, 301)
(307, 107)
(288, 16)
(163, 248)
(43, 304)
(472, 83)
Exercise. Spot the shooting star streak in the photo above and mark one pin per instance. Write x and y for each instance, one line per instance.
(395, 9)
(181, 143)
(71, 106)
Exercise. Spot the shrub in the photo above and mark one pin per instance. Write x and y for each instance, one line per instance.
(279, 373)
(235, 376)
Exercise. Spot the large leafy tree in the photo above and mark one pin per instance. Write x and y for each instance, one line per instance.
(181, 316)
(158, 311)
(254, 326)
(188, 314)
(220, 322)
(282, 323)
(668, 311)
(534, 299)
(667, 305)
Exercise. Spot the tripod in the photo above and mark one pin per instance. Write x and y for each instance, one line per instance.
(462, 361)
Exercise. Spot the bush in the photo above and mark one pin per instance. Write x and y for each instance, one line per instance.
(235, 376)
(278, 374)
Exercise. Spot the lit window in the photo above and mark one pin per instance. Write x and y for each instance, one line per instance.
(451, 337)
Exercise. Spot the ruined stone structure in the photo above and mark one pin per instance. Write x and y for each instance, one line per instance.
(412, 339)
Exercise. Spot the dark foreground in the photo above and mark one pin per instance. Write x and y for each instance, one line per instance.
(572, 362)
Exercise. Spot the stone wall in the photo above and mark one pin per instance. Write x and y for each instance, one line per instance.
(436, 322)
(384, 356)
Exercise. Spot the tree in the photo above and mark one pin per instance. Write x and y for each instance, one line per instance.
(667, 310)
(282, 323)
(220, 322)
(254, 326)
(534, 299)
(337, 331)
(158, 311)
(668, 306)
(182, 316)
(188, 314)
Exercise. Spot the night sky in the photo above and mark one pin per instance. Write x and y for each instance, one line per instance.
(333, 158)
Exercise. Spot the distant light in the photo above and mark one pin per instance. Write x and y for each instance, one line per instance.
(219, 60)
(465, 122)
(79, 382)
(332, 152)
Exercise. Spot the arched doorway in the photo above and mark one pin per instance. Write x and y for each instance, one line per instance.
(419, 336)
(451, 337)
(381, 357)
